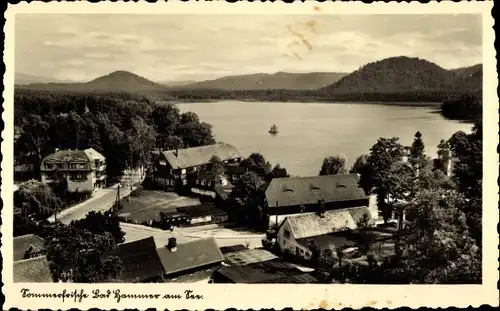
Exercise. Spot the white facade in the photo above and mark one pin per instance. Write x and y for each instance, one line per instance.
(287, 242)
(83, 170)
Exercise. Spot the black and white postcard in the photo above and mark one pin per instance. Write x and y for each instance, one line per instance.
(249, 155)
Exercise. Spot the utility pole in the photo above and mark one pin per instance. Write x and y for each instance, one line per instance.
(118, 197)
(277, 204)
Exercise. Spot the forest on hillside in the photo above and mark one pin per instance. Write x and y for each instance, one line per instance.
(121, 126)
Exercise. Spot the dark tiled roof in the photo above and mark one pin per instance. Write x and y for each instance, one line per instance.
(190, 255)
(311, 224)
(67, 156)
(293, 191)
(140, 260)
(86, 155)
(249, 256)
(328, 241)
(33, 270)
(266, 272)
(223, 192)
(232, 248)
(203, 209)
(235, 169)
(302, 278)
(197, 156)
(24, 242)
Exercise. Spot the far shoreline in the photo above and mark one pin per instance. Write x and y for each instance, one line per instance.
(388, 103)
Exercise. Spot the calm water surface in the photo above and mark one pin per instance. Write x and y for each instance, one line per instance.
(309, 132)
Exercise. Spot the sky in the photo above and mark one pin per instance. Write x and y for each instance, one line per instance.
(81, 47)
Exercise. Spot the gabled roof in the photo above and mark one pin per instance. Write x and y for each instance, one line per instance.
(232, 248)
(73, 156)
(92, 154)
(189, 157)
(273, 271)
(140, 260)
(200, 210)
(24, 242)
(249, 256)
(33, 270)
(190, 255)
(311, 224)
(293, 191)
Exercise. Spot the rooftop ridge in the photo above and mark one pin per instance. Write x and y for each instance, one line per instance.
(30, 259)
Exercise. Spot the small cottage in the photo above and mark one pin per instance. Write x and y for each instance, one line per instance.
(174, 168)
(28, 246)
(325, 229)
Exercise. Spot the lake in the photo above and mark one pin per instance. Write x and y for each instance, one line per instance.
(309, 132)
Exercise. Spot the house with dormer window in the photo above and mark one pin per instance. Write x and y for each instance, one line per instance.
(282, 197)
(84, 170)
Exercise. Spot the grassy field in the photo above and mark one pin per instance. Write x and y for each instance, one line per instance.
(149, 204)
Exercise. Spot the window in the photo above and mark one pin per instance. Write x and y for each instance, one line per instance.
(301, 251)
(287, 234)
(78, 177)
(49, 166)
(297, 250)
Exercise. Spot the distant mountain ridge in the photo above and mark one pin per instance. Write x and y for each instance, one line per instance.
(392, 79)
(403, 74)
(117, 81)
(264, 81)
(23, 79)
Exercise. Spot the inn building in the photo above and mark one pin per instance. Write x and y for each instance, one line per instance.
(84, 170)
(181, 167)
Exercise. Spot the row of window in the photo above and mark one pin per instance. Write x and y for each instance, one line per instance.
(50, 166)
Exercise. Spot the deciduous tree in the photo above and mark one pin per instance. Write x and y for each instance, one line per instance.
(333, 166)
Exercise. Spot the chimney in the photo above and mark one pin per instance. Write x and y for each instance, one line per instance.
(321, 208)
(172, 244)
(176, 152)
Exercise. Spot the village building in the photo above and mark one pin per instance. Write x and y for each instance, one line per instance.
(194, 215)
(84, 170)
(32, 270)
(266, 272)
(232, 248)
(324, 229)
(253, 266)
(28, 246)
(144, 261)
(141, 263)
(180, 167)
(282, 197)
(198, 257)
(243, 257)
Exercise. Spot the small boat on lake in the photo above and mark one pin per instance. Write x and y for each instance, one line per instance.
(273, 130)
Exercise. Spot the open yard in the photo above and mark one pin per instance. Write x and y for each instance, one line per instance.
(149, 204)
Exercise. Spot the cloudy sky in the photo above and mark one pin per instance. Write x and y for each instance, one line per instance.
(195, 47)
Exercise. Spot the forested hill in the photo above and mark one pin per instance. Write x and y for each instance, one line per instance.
(117, 81)
(264, 81)
(468, 78)
(405, 74)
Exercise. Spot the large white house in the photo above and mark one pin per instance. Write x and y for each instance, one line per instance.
(84, 170)
(323, 228)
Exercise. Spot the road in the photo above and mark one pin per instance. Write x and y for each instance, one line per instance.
(101, 201)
